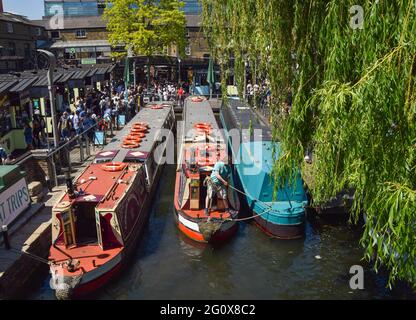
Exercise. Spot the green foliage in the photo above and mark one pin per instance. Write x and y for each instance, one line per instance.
(146, 26)
(353, 104)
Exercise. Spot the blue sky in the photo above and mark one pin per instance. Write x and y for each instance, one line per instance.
(30, 8)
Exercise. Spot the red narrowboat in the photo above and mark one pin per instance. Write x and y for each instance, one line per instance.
(99, 220)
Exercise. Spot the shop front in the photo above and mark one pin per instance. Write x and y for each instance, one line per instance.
(16, 110)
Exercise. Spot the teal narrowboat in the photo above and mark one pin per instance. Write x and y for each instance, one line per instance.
(254, 153)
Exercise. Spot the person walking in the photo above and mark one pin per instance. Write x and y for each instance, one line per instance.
(181, 94)
(3, 155)
(28, 133)
(36, 132)
(64, 126)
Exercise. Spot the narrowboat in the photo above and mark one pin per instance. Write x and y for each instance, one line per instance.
(98, 221)
(281, 214)
(201, 145)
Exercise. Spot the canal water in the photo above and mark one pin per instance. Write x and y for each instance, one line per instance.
(251, 266)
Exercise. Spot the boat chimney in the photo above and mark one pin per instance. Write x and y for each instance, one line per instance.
(69, 184)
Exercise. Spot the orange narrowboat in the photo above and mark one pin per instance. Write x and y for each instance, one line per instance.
(202, 146)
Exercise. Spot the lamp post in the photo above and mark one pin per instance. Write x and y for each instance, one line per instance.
(179, 78)
(52, 63)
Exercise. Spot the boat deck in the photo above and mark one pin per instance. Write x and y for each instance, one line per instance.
(238, 115)
(199, 112)
(156, 119)
(98, 185)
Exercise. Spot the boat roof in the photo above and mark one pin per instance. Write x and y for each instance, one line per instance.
(156, 119)
(238, 115)
(99, 186)
(199, 112)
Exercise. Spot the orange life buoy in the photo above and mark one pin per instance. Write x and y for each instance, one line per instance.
(203, 125)
(113, 167)
(130, 144)
(197, 99)
(139, 129)
(137, 134)
(133, 138)
(140, 124)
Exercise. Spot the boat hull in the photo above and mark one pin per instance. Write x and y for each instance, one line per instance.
(191, 229)
(280, 231)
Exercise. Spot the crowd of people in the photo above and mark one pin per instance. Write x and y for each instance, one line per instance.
(98, 110)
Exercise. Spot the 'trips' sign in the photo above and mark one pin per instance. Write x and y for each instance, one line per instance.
(13, 202)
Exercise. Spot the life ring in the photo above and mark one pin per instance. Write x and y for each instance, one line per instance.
(139, 129)
(203, 125)
(130, 145)
(114, 167)
(141, 124)
(206, 130)
(133, 138)
(197, 99)
(137, 134)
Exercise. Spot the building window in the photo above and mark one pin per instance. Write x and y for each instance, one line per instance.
(80, 33)
(12, 49)
(27, 50)
(38, 32)
(55, 34)
(188, 50)
(9, 26)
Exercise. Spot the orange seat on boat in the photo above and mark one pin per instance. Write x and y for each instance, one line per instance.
(113, 167)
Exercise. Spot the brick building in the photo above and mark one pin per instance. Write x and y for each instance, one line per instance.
(19, 40)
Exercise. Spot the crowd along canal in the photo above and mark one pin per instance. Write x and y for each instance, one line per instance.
(252, 265)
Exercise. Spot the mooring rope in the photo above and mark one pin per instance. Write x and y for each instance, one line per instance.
(270, 208)
(31, 255)
(252, 217)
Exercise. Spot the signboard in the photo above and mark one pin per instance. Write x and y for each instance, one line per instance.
(88, 61)
(122, 120)
(72, 50)
(103, 49)
(99, 138)
(88, 49)
(13, 201)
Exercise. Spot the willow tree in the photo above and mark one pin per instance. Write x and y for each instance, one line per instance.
(146, 27)
(353, 85)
